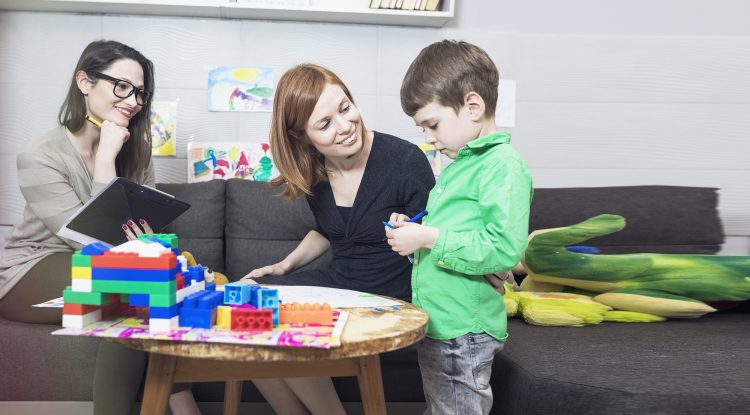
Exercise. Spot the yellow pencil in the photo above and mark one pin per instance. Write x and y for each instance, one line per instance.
(93, 120)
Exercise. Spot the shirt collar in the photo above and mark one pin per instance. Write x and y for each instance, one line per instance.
(489, 140)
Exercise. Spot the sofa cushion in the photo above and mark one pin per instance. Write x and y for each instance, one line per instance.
(660, 219)
(675, 367)
(37, 366)
(262, 227)
(201, 228)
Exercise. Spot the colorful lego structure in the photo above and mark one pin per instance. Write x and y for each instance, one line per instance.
(148, 272)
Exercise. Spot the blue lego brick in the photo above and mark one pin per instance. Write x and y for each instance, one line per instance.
(197, 317)
(236, 293)
(194, 300)
(210, 286)
(96, 248)
(163, 312)
(264, 297)
(270, 298)
(141, 275)
(139, 300)
(195, 273)
(211, 300)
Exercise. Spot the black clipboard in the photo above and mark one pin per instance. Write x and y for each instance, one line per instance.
(102, 217)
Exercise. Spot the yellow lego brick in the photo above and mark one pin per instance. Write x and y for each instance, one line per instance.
(224, 317)
(81, 273)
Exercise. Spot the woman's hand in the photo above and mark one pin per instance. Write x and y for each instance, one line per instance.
(133, 231)
(275, 269)
(111, 140)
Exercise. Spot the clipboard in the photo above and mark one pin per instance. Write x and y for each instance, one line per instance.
(102, 217)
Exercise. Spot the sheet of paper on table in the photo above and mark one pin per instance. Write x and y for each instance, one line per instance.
(336, 298)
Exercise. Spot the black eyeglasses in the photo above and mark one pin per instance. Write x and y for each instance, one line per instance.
(124, 89)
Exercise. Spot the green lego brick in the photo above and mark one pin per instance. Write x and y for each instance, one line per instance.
(93, 298)
(133, 287)
(169, 238)
(80, 260)
(162, 300)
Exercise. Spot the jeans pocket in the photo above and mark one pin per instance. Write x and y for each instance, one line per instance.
(483, 349)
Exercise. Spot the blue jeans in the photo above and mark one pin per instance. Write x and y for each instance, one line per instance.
(456, 373)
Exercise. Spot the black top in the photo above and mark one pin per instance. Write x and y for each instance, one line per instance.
(397, 178)
(344, 211)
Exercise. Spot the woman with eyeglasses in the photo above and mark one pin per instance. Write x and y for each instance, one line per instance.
(104, 132)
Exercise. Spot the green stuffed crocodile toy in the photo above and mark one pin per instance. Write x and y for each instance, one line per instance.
(663, 285)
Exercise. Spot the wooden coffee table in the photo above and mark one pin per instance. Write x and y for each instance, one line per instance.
(367, 334)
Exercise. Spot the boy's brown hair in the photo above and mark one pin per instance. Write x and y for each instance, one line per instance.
(444, 72)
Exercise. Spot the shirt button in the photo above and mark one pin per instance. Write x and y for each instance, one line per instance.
(441, 263)
(439, 190)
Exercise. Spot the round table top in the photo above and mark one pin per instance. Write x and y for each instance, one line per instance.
(366, 333)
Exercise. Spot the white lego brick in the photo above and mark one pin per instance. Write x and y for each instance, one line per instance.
(81, 285)
(75, 321)
(157, 325)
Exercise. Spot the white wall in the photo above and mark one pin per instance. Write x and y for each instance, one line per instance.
(639, 92)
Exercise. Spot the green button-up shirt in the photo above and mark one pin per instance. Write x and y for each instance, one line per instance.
(480, 204)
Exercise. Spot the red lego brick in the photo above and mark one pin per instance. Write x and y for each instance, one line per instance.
(296, 313)
(126, 260)
(180, 281)
(249, 319)
(79, 309)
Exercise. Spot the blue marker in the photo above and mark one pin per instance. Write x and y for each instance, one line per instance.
(416, 217)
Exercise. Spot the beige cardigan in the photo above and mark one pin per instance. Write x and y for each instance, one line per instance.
(55, 182)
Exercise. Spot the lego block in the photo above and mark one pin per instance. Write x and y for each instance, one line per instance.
(80, 260)
(169, 240)
(75, 321)
(180, 281)
(306, 313)
(224, 317)
(79, 309)
(236, 293)
(197, 317)
(96, 248)
(211, 286)
(141, 275)
(140, 300)
(81, 272)
(249, 319)
(93, 298)
(129, 260)
(161, 325)
(131, 287)
(266, 298)
(164, 312)
(162, 300)
(82, 285)
(195, 274)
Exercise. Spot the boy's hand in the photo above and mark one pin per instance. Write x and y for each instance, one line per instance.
(409, 237)
(398, 217)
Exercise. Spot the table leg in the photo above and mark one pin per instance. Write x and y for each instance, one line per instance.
(232, 397)
(158, 386)
(370, 382)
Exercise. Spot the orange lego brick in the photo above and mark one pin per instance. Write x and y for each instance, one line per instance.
(126, 260)
(296, 313)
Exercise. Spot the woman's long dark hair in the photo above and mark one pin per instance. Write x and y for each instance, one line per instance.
(98, 57)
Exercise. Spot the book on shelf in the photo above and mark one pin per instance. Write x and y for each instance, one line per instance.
(432, 5)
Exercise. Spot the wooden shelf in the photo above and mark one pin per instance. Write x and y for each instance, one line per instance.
(232, 10)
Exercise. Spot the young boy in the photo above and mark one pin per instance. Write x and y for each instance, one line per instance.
(477, 224)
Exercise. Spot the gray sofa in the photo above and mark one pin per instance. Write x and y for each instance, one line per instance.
(696, 366)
